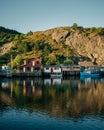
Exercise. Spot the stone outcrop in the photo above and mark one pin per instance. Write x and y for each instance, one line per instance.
(4, 49)
(91, 46)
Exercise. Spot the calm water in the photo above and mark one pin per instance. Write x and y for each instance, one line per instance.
(52, 104)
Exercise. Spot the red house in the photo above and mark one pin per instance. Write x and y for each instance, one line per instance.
(30, 65)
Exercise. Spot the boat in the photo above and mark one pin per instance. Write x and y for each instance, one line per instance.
(87, 74)
(56, 75)
(90, 72)
(102, 71)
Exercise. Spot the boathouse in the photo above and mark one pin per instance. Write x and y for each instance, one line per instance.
(30, 65)
(70, 70)
(52, 69)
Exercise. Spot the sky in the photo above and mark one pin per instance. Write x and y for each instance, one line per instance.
(39, 15)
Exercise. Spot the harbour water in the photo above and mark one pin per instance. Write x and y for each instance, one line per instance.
(53, 104)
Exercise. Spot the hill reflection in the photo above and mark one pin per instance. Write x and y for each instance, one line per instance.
(69, 98)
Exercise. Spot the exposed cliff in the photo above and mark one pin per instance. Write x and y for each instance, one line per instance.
(88, 42)
(54, 45)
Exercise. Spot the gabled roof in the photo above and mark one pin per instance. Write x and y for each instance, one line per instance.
(32, 59)
(86, 64)
(51, 66)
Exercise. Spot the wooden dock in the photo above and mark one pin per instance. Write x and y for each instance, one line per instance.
(27, 74)
(70, 70)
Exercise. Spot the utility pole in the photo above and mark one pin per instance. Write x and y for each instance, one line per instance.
(11, 61)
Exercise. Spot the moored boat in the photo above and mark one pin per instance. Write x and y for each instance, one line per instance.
(102, 71)
(90, 72)
(56, 75)
(88, 69)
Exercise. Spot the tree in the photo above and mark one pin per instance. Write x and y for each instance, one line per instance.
(75, 26)
(52, 57)
(68, 62)
(16, 37)
(29, 33)
(17, 61)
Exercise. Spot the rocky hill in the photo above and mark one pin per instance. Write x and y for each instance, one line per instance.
(54, 45)
(7, 35)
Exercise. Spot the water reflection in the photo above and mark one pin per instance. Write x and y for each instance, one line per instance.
(63, 98)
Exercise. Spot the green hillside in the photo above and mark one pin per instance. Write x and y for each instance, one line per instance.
(7, 35)
(53, 46)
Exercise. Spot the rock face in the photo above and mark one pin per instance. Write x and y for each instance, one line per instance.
(4, 49)
(92, 46)
(84, 42)
(60, 35)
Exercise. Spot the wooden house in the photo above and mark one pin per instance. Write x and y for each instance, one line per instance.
(30, 65)
(52, 71)
(86, 64)
(68, 70)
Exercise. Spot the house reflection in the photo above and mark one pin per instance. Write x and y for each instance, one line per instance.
(31, 87)
(52, 81)
(5, 83)
(57, 97)
(88, 83)
(27, 86)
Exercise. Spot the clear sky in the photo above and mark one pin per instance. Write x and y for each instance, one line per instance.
(37, 15)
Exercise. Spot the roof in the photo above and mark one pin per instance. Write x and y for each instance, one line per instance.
(86, 63)
(68, 65)
(32, 59)
(51, 66)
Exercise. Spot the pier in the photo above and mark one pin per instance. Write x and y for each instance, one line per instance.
(70, 70)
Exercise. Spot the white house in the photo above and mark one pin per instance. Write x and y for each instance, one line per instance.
(6, 71)
(52, 69)
(5, 67)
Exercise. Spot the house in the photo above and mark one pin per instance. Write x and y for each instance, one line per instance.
(68, 70)
(86, 64)
(6, 71)
(49, 70)
(30, 65)
(52, 69)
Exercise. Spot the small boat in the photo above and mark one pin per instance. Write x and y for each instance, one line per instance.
(87, 74)
(102, 71)
(90, 72)
(56, 75)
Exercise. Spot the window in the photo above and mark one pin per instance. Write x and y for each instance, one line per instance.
(33, 63)
(29, 62)
(28, 69)
(21, 68)
(56, 68)
(47, 68)
(37, 62)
